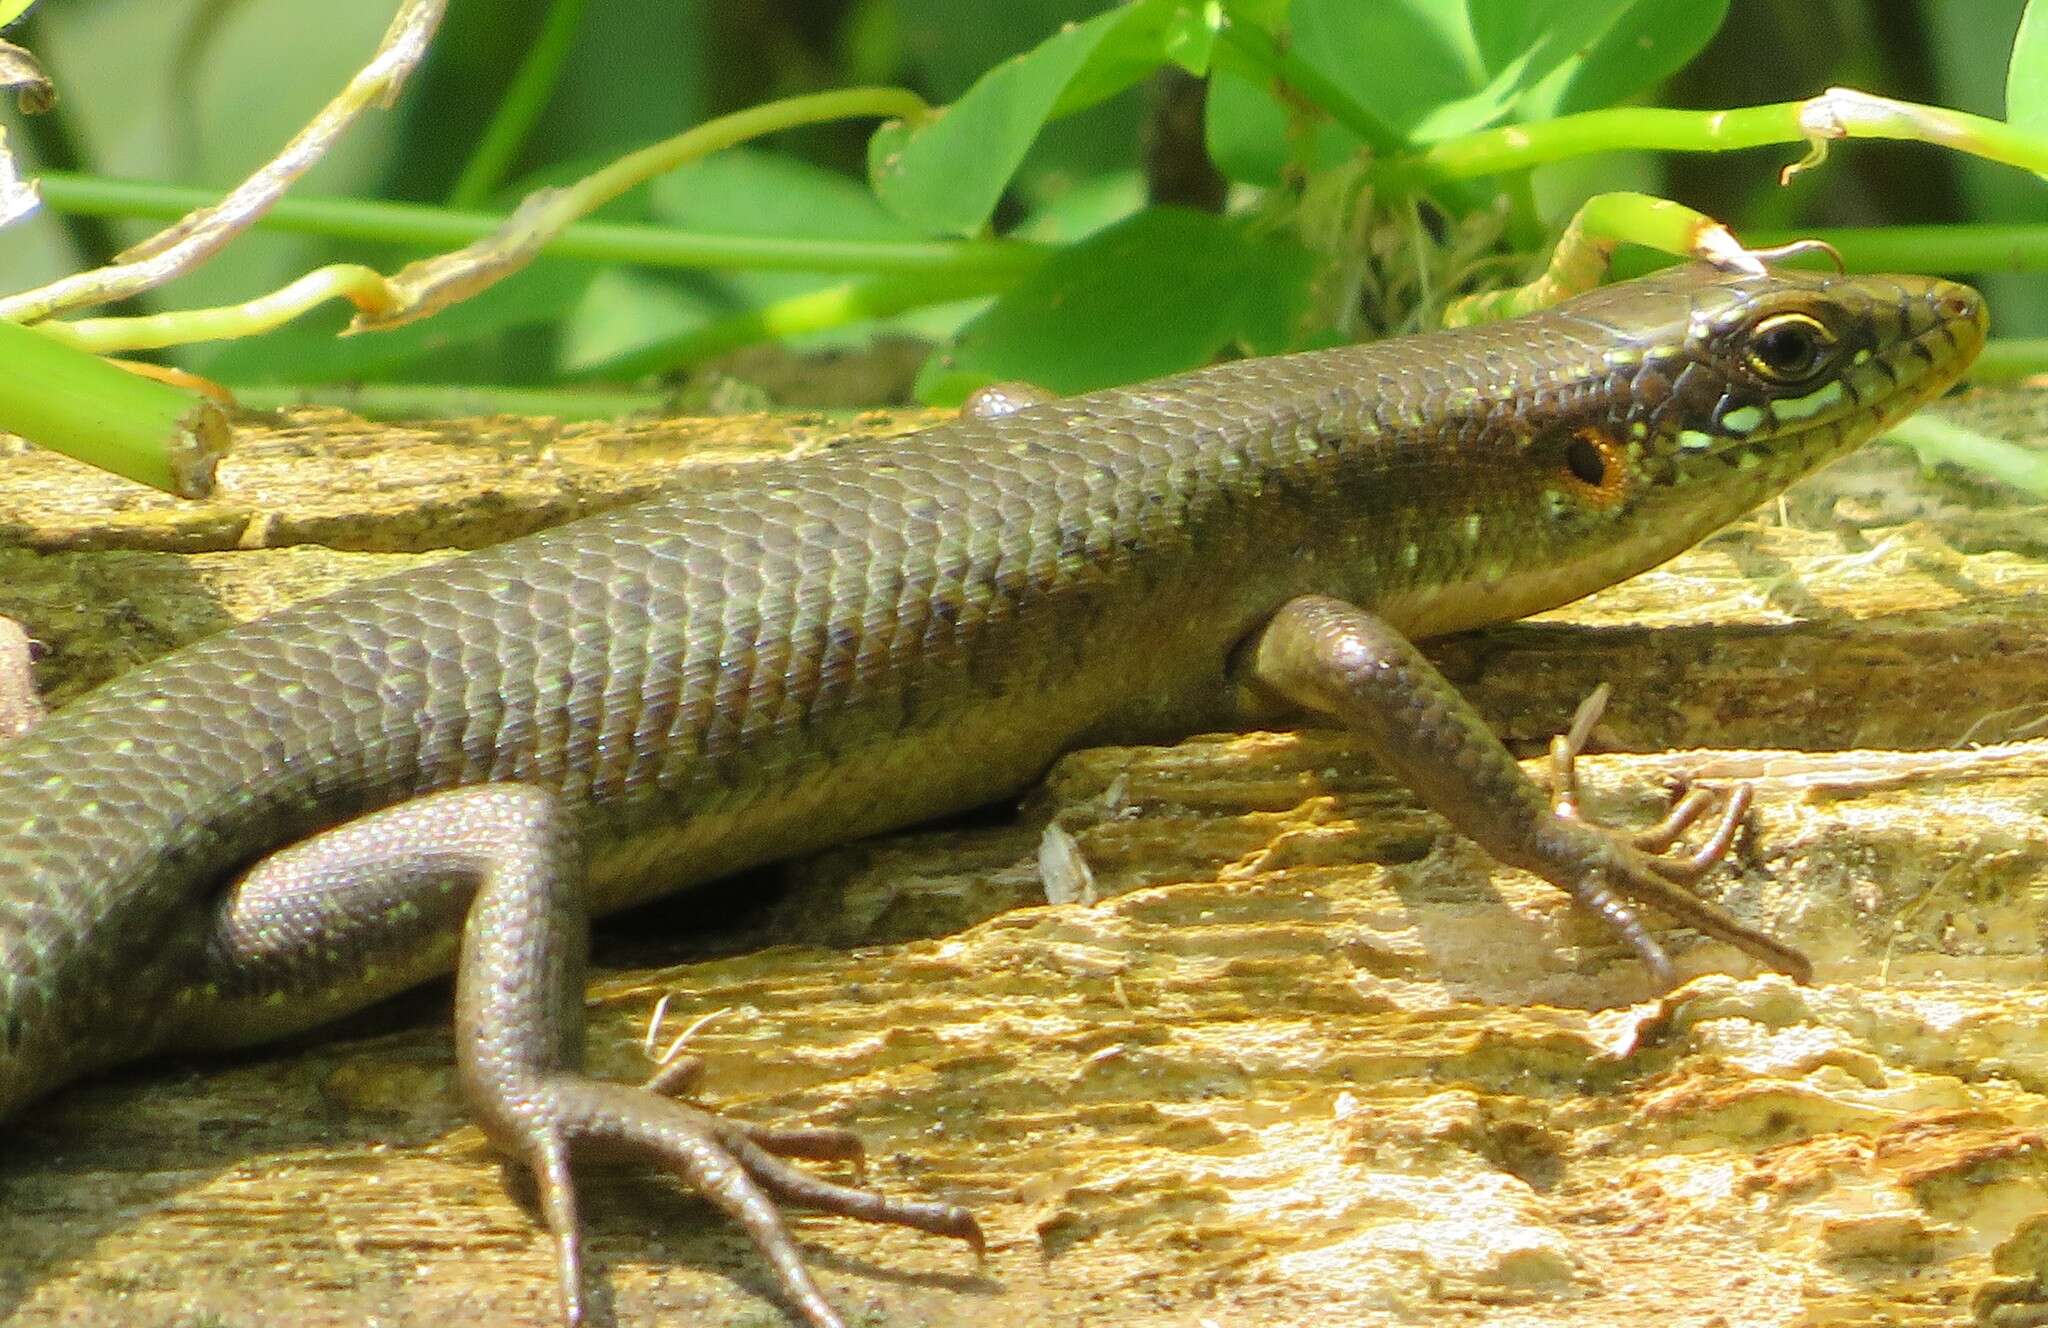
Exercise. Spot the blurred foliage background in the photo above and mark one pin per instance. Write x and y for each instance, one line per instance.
(198, 92)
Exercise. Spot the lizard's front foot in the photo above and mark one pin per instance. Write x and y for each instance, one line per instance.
(1599, 863)
(1339, 659)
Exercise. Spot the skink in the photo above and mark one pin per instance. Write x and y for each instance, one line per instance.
(454, 767)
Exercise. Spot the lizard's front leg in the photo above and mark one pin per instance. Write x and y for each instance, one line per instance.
(1334, 658)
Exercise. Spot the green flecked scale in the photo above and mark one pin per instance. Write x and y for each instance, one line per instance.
(824, 648)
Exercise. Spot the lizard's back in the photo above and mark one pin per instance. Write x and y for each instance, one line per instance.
(799, 653)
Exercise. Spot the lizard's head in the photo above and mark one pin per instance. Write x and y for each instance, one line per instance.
(1695, 395)
(1721, 389)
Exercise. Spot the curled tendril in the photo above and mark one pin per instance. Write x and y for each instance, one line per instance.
(1778, 253)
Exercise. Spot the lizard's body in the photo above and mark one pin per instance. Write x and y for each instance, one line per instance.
(824, 648)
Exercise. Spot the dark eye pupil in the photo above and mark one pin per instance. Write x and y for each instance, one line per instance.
(1585, 462)
(1786, 349)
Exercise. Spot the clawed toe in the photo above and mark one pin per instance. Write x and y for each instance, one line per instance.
(790, 1185)
(1639, 866)
(811, 1143)
(1653, 841)
(1689, 807)
(737, 1165)
(1709, 855)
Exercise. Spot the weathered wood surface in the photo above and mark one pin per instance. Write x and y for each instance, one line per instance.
(1311, 1059)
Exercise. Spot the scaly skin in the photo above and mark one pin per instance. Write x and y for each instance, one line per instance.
(872, 636)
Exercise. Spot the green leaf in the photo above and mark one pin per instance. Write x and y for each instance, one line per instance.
(1084, 207)
(1396, 58)
(1188, 37)
(1648, 43)
(1269, 16)
(11, 10)
(1520, 42)
(1400, 59)
(742, 191)
(1148, 34)
(1432, 69)
(748, 191)
(1504, 31)
(2026, 77)
(945, 174)
(1161, 291)
(949, 55)
(1251, 135)
(625, 311)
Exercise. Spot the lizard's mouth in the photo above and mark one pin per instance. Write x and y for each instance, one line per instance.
(1873, 391)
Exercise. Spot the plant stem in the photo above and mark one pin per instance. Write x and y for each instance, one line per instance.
(430, 227)
(2005, 359)
(527, 96)
(798, 315)
(1950, 247)
(1837, 113)
(80, 405)
(1936, 440)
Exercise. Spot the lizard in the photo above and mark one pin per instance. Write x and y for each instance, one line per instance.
(455, 767)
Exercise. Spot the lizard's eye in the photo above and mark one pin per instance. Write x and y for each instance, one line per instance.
(1789, 348)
